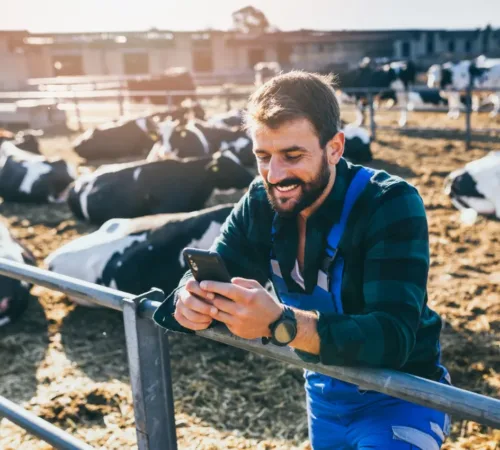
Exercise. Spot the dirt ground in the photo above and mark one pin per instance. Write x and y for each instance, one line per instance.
(68, 364)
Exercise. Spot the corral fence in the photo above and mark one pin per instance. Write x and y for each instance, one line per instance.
(151, 380)
(72, 97)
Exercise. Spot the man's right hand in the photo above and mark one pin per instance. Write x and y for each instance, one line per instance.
(193, 307)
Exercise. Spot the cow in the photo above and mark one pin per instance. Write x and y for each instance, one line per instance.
(143, 188)
(117, 139)
(188, 110)
(25, 177)
(233, 118)
(357, 144)
(14, 294)
(477, 186)
(459, 76)
(134, 255)
(173, 79)
(397, 76)
(25, 140)
(198, 138)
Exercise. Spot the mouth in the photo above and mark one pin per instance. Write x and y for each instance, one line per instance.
(286, 189)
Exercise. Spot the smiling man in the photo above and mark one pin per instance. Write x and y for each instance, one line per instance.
(346, 248)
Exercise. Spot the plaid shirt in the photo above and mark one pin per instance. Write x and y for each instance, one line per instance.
(386, 320)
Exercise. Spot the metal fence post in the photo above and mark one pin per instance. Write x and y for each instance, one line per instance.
(228, 98)
(169, 101)
(373, 125)
(77, 112)
(149, 365)
(120, 103)
(468, 105)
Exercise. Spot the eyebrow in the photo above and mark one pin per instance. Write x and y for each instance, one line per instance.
(293, 148)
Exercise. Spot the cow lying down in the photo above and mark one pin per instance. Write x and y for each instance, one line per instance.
(25, 177)
(477, 185)
(143, 188)
(134, 255)
(14, 294)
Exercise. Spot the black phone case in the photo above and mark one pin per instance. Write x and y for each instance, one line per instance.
(206, 265)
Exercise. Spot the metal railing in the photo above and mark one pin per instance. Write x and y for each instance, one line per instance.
(469, 91)
(121, 96)
(151, 382)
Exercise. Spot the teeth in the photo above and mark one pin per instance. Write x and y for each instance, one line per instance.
(287, 188)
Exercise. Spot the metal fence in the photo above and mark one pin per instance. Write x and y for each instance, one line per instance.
(150, 375)
(75, 96)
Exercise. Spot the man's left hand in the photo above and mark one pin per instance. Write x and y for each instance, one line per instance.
(244, 306)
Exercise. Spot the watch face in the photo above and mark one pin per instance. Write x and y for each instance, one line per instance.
(285, 332)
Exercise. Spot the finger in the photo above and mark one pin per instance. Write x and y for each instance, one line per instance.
(186, 323)
(245, 282)
(226, 305)
(224, 317)
(228, 290)
(196, 317)
(194, 303)
(194, 287)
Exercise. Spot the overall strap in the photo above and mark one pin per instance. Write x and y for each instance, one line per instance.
(355, 189)
(334, 264)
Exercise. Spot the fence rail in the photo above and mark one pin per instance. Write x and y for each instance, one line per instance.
(121, 95)
(149, 364)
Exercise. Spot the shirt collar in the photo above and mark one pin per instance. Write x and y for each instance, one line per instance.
(330, 210)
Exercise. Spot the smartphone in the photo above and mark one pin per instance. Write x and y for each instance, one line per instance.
(206, 265)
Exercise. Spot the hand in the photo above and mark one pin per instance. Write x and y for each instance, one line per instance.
(244, 306)
(193, 307)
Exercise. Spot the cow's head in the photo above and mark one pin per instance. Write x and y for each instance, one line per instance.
(227, 171)
(460, 76)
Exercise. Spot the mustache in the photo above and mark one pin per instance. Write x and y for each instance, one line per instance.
(285, 183)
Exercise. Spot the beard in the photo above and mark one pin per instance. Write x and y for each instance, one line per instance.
(308, 194)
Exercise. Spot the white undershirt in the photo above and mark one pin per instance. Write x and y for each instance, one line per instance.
(297, 276)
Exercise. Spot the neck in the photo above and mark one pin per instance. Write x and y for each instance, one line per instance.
(307, 212)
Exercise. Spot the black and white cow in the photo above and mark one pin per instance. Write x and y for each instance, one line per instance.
(198, 138)
(357, 144)
(477, 186)
(395, 77)
(144, 188)
(117, 139)
(14, 294)
(134, 255)
(233, 118)
(25, 140)
(459, 76)
(25, 177)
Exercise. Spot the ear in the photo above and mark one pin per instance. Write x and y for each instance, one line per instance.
(335, 148)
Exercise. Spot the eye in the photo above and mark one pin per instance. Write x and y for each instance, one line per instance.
(263, 158)
(293, 156)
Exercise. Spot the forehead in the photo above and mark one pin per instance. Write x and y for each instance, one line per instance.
(298, 132)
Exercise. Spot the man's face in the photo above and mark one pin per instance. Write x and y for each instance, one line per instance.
(294, 167)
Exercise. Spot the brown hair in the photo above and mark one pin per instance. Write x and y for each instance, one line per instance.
(296, 95)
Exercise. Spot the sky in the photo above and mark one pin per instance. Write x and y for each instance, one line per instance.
(132, 15)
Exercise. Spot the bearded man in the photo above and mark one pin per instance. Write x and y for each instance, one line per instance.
(347, 250)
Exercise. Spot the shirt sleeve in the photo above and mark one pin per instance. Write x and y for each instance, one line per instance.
(395, 274)
(240, 245)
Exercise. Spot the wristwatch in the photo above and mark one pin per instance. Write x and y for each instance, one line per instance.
(284, 329)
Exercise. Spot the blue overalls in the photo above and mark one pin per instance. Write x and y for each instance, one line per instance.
(341, 416)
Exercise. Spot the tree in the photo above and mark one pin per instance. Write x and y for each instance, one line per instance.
(250, 20)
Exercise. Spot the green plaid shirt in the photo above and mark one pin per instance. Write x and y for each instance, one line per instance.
(386, 320)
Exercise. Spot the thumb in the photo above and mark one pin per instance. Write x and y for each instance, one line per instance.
(245, 282)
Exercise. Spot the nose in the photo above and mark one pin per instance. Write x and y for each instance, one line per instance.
(276, 172)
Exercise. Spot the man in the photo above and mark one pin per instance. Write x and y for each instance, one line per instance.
(346, 248)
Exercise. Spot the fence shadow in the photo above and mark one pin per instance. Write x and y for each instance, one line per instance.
(94, 339)
(392, 168)
(23, 345)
